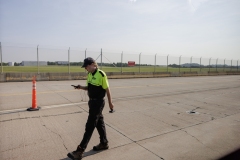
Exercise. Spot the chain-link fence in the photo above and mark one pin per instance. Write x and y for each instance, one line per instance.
(41, 60)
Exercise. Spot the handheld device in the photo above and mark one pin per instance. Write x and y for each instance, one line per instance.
(75, 86)
(111, 111)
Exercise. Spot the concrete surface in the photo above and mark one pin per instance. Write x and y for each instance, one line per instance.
(156, 118)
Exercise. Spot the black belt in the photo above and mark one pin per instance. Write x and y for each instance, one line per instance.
(96, 99)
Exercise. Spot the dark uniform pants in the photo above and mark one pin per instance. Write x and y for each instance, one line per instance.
(95, 119)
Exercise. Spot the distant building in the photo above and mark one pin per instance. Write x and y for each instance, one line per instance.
(62, 62)
(10, 63)
(34, 63)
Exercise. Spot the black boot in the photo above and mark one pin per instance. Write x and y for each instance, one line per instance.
(76, 155)
(101, 146)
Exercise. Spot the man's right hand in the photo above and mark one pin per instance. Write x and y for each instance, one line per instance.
(76, 87)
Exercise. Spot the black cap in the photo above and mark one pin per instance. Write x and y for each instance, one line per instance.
(87, 61)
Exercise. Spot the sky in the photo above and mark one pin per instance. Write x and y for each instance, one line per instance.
(198, 28)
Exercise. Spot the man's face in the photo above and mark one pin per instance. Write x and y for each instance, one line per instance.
(90, 68)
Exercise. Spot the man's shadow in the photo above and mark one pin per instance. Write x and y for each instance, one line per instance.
(86, 154)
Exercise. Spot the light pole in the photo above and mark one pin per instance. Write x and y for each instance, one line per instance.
(231, 65)
(179, 63)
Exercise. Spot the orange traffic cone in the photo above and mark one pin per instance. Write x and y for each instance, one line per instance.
(34, 97)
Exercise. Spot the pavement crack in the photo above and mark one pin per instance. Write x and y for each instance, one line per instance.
(119, 132)
(55, 134)
(23, 145)
(14, 119)
(193, 137)
(174, 130)
(53, 115)
(200, 141)
(159, 120)
(150, 151)
(132, 141)
(172, 93)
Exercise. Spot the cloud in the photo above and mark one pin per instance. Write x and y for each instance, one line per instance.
(195, 4)
(133, 1)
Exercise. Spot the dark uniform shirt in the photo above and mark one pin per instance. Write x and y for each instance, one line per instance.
(97, 83)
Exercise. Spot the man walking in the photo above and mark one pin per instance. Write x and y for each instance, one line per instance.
(97, 87)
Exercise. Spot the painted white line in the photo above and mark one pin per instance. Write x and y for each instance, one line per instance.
(43, 107)
(13, 110)
(62, 105)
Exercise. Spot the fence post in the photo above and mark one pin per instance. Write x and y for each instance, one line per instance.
(231, 65)
(139, 61)
(69, 60)
(216, 63)
(101, 58)
(179, 63)
(167, 62)
(84, 58)
(209, 63)
(237, 65)
(121, 61)
(191, 64)
(155, 62)
(1, 57)
(224, 65)
(37, 60)
(200, 64)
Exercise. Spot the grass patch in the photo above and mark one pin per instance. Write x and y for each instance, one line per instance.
(54, 69)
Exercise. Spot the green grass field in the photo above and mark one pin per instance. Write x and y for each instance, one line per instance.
(52, 69)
